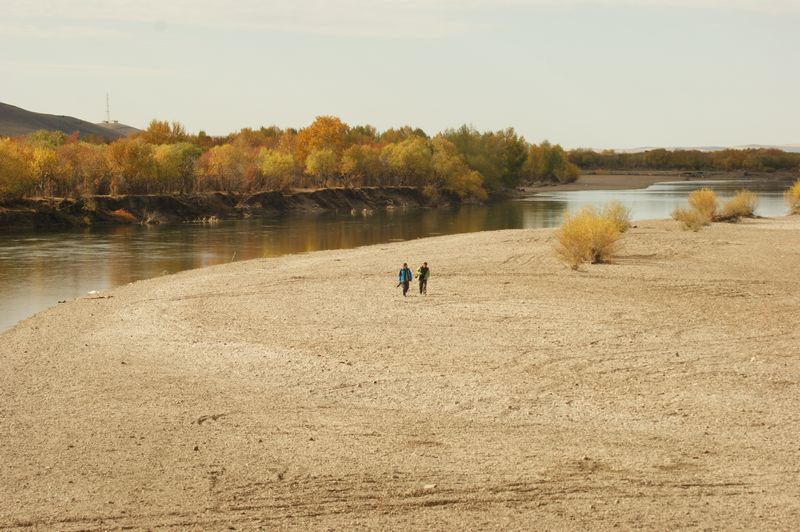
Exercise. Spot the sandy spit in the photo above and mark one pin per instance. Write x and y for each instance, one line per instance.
(659, 392)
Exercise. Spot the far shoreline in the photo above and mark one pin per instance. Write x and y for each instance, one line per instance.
(638, 180)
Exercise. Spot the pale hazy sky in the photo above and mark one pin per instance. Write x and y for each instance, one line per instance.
(593, 73)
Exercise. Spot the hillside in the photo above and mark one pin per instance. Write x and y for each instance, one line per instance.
(121, 129)
(15, 121)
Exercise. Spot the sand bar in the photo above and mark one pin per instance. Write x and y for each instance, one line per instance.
(658, 392)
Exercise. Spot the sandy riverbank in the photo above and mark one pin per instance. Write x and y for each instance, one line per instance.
(303, 392)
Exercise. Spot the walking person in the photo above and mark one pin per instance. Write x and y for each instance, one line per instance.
(404, 278)
(422, 276)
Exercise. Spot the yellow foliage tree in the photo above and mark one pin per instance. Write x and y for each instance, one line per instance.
(16, 178)
(326, 132)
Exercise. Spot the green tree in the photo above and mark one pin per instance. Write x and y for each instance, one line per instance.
(409, 161)
(322, 165)
(547, 162)
(361, 165)
(452, 172)
(279, 169)
(175, 166)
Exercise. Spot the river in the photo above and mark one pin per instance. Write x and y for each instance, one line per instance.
(39, 269)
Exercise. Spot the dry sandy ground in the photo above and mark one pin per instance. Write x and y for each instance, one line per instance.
(659, 392)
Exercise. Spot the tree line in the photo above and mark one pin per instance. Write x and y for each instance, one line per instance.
(754, 159)
(164, 158)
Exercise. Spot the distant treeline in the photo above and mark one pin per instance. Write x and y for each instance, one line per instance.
(164, 158)
(762, 159)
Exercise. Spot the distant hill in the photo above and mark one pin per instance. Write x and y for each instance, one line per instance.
(15, 121)
(791, 148)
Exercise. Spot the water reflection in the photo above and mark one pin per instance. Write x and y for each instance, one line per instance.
(40, 268)
(659, 200)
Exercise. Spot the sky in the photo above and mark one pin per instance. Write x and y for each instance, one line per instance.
(582, 73)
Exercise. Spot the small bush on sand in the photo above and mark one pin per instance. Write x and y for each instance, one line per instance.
(588, 236)
(792, 196)
(742, 205)
(617, 213)
(704, 201)
(690, 219)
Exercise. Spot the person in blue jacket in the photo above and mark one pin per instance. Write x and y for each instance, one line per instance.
(404, 278)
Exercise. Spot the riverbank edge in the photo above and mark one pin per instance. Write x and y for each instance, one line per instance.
(630, 180)
(43, 213)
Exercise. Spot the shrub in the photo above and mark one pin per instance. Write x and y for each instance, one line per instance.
(702, 209)
(588, 236)
(704, 201)
(742, 205)
(619, 214)
(690, 218)
(792, 196)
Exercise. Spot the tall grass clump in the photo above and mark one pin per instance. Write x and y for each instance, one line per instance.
(702, 209)
(704, 201)
(792, 196)
(742, 205)
(588, 236)
(619, 214)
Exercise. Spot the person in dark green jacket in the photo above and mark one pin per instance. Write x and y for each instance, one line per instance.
(423, 273)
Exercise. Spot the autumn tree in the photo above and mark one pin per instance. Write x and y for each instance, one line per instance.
(228, 167)
(162, 132)
(16, 178)
(85, 168)
(132, 166)
(45, 167)
(325, 133)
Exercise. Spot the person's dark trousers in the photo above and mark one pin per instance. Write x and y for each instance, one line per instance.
(405, 287)
(423, 286)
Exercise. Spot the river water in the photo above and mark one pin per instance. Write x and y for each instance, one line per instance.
(39, 269)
